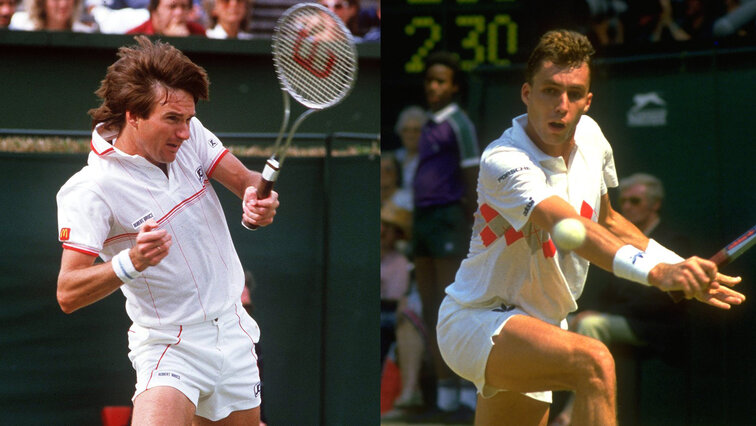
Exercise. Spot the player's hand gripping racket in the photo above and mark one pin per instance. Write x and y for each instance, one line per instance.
(316, 64)
(726, 255)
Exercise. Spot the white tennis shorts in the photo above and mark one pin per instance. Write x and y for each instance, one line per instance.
(213, 363)
(465, 340)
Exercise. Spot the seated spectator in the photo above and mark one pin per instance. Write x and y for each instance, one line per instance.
(51, 15)
(348, 11)
(626, 313)
(738, 19)
(370, 21)
(7, 9)
(697, 19)
(395, 269)
(171, 18)
(228, 18)
(117, 16)
(606, 22)
(391, 177)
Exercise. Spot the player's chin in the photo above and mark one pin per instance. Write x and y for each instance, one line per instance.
(168, 156)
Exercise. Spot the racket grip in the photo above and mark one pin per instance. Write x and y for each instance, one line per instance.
(269, 176)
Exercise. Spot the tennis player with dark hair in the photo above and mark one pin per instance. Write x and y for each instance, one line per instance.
(502, 324)
(145, 205)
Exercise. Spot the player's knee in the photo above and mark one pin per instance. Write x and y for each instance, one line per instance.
(598, 367)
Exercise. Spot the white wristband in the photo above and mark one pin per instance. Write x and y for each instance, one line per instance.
(660, 252)
(123, 267)
(633, 264)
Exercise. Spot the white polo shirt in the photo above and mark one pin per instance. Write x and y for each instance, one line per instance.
(102, 207)
(511, 261)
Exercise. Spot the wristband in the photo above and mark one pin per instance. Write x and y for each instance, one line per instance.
(660, 252)
(633, 264)
(123, 267)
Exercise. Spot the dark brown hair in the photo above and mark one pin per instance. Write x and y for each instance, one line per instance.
(563, 48)
(134, 81)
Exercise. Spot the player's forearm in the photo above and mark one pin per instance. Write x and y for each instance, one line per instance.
(625, 230)
(599, 246)
(78, 288)
(235, 176)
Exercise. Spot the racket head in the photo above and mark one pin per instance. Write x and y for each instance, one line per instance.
(314, 55)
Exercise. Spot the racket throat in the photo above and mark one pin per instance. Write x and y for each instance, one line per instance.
(272, 167)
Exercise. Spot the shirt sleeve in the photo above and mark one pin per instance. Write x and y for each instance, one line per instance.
(209, 147)
(610, 172)
(83, 217)
(513, 185)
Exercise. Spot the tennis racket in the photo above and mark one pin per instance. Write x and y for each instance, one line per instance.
(316, 64)
(726, 255)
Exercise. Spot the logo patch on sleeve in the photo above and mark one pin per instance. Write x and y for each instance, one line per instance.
(65, 234)
(143, 219)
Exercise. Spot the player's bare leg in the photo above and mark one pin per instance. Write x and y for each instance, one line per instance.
(162, 405)
(511, 409)
(530, 355)
(249, 417)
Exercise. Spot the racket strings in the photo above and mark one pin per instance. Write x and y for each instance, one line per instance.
(314, 56)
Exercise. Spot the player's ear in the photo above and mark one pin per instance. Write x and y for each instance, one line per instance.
(131, 119)
(587, 106)
(525, 92)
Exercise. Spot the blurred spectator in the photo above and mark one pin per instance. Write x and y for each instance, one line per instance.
(395, 269)
(229, 18)
(606, 25)
(738, 20)
(626, 313)
(666, 26)
(698, 18)
(444, 192)
(51, 15)
(119, 16)
(408, 127)
(171, 18)
(347, 10)
(370, 23)
(390, 177)
(7, 9)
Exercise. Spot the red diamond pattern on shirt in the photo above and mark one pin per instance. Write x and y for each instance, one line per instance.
(488, 236)
(496, 226)
(586, 210)
(511, 235)
(549, 249)
(488, 212)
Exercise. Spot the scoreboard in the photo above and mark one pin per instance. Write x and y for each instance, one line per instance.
(481, 32)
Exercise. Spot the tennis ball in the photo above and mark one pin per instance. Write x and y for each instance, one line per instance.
(568, 234)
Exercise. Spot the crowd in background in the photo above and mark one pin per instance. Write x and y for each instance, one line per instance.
(224, 19)
(625, 22)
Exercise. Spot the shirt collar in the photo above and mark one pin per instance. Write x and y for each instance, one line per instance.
(555, 164)
(441, 115)
(102, 145)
